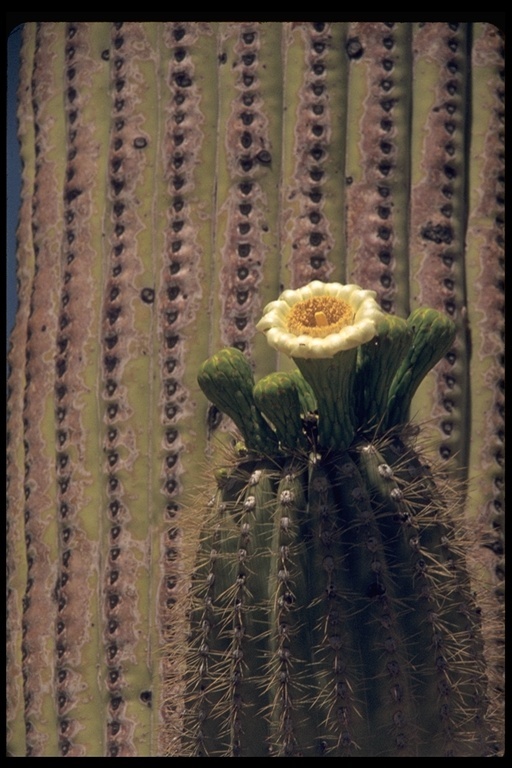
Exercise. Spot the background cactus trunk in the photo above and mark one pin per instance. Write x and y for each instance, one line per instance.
(175, 177)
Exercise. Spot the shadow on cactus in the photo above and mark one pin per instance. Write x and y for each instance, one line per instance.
(332, 612)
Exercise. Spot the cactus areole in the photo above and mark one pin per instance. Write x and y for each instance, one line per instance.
(331, 611)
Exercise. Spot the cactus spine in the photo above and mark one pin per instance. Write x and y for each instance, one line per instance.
(175, 178)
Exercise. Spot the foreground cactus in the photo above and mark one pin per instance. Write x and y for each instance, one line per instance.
(176, 177)
(334, 613)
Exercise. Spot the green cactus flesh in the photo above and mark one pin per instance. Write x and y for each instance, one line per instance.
(332, 610)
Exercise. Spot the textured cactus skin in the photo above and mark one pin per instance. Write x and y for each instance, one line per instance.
(334, 615)
(175, 177)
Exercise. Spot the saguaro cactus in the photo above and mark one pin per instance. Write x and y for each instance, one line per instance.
(333, 610)
(176, 178)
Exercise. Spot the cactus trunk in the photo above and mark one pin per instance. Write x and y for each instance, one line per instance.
(176, 177)
(334, 616)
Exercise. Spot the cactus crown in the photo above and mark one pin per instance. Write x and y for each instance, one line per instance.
(331, 609)
(358, 368)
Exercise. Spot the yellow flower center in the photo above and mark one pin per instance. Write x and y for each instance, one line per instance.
(319, 316)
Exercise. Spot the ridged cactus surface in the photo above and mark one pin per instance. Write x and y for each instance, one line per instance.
(334, 616)
(176, 178)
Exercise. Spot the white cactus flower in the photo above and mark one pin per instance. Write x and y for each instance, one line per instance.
(321, 319)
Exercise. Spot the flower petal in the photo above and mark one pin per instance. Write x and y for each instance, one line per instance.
(366, 318)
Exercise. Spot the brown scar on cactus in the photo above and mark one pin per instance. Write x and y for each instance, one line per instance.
(332, 611)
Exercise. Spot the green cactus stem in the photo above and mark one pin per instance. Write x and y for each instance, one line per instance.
(432, 335)
(227, 380)
(332, 610)
(323, 620)
(278, 397)
(377, 365)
